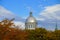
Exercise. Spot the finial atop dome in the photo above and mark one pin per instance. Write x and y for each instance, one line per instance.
(30, 13)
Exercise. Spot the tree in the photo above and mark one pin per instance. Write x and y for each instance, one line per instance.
(9, 33)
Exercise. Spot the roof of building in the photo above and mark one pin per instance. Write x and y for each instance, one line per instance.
(30, 18)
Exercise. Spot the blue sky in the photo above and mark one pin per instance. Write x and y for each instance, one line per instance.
(23, 7)
(45, 11)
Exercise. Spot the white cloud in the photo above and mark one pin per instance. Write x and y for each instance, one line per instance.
(49, 16)
(51, 12)
(5, 13)
(19, 24)
(41, 19)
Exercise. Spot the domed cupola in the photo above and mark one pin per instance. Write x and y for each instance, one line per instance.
(30, 22)
(30, 18)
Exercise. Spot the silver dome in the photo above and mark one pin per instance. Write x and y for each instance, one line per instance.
(30, 18)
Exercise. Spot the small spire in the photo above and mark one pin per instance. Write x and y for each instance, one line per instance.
(56, 26)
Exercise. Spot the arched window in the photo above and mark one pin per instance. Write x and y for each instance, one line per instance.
(31, 26)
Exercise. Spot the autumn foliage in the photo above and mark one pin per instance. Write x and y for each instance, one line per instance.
(9, 33)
